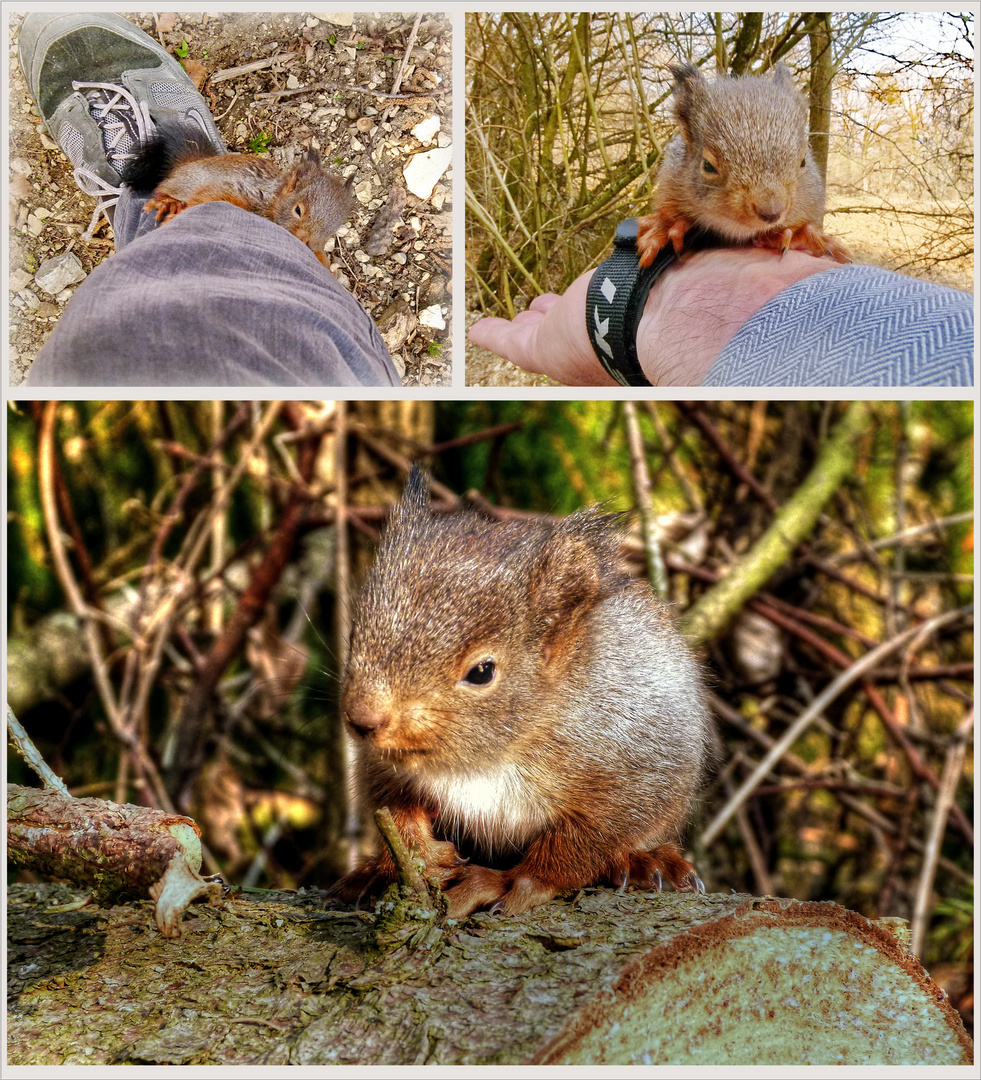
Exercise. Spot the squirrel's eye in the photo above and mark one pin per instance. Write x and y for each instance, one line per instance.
(708, 167)
(481, 674)
(298, 209)
(803, 162)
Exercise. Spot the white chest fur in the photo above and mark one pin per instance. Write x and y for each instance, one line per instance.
(498, 808)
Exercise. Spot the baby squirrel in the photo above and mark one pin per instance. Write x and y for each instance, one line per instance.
(741, 167)
(515, 696)
(183, 169)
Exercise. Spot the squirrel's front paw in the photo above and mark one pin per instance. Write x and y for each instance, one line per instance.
(656, 230)
(651, 237)
(165, 206)
(807, 238)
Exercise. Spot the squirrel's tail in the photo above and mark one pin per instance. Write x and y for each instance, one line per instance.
(172, 144)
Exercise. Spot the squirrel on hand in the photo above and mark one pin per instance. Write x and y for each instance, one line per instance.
(516, 698)
(741, 167)
(184, 169)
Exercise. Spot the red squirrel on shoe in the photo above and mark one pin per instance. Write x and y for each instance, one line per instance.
(184, 169)
(517, 698)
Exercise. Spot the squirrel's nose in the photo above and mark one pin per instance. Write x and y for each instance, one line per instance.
(363, 717)
(768, 213)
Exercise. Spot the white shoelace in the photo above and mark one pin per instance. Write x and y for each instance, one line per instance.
(126, 125)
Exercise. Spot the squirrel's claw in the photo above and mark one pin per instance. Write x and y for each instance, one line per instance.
(654, 231)
(165, 207)
(805, 238)
(648, 869)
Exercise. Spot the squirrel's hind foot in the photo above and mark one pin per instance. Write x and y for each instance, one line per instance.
(649, 870)
(501, 892)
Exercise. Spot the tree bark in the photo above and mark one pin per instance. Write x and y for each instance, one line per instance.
(822, 72)
(120, 850)
(598, 978)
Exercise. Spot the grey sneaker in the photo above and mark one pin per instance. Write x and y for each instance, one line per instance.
(100, 84)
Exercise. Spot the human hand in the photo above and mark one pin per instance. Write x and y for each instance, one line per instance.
(692, 312)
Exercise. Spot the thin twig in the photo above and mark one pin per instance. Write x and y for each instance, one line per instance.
(817, 706)
(66, 578)
(953, 769)
(397, 84)
(29, 752)
(423, 95)
(405, 866)
(850, 802)
(642, 496)
(247, 69)
(342, 624)
(393, 457)
(901, 538)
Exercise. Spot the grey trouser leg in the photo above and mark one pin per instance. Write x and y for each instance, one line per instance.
(216, 297)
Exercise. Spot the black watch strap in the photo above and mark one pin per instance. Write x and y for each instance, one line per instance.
(615, 302)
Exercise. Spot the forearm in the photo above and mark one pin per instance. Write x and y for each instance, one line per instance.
(693, 310)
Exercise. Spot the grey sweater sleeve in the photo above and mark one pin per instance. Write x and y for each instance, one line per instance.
(854, 326)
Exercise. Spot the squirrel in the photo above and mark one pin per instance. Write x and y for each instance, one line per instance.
(741, 167)
(183, 169)
(516, 697)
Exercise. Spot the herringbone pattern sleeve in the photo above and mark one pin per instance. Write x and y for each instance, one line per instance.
(854, 326)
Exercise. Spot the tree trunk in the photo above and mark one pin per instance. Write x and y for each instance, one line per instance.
(822, 72)
(599, 978)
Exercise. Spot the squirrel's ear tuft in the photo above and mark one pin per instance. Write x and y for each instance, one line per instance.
(416, 494)
(783, 77)
(690, 90)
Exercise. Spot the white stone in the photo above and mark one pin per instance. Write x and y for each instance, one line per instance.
(426, 129)
(20, 279)
(335, 18)
(58, 273)
(432, 316)
(424, 170)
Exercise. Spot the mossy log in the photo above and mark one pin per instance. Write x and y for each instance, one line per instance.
(118, 849)
(599, 978)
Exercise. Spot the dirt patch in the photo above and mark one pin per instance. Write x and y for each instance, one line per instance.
(360, 132)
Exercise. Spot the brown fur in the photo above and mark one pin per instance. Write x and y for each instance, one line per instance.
(741, 167)
(306, 200)
(576, 763)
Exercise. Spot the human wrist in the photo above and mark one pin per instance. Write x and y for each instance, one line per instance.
(699, 304)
